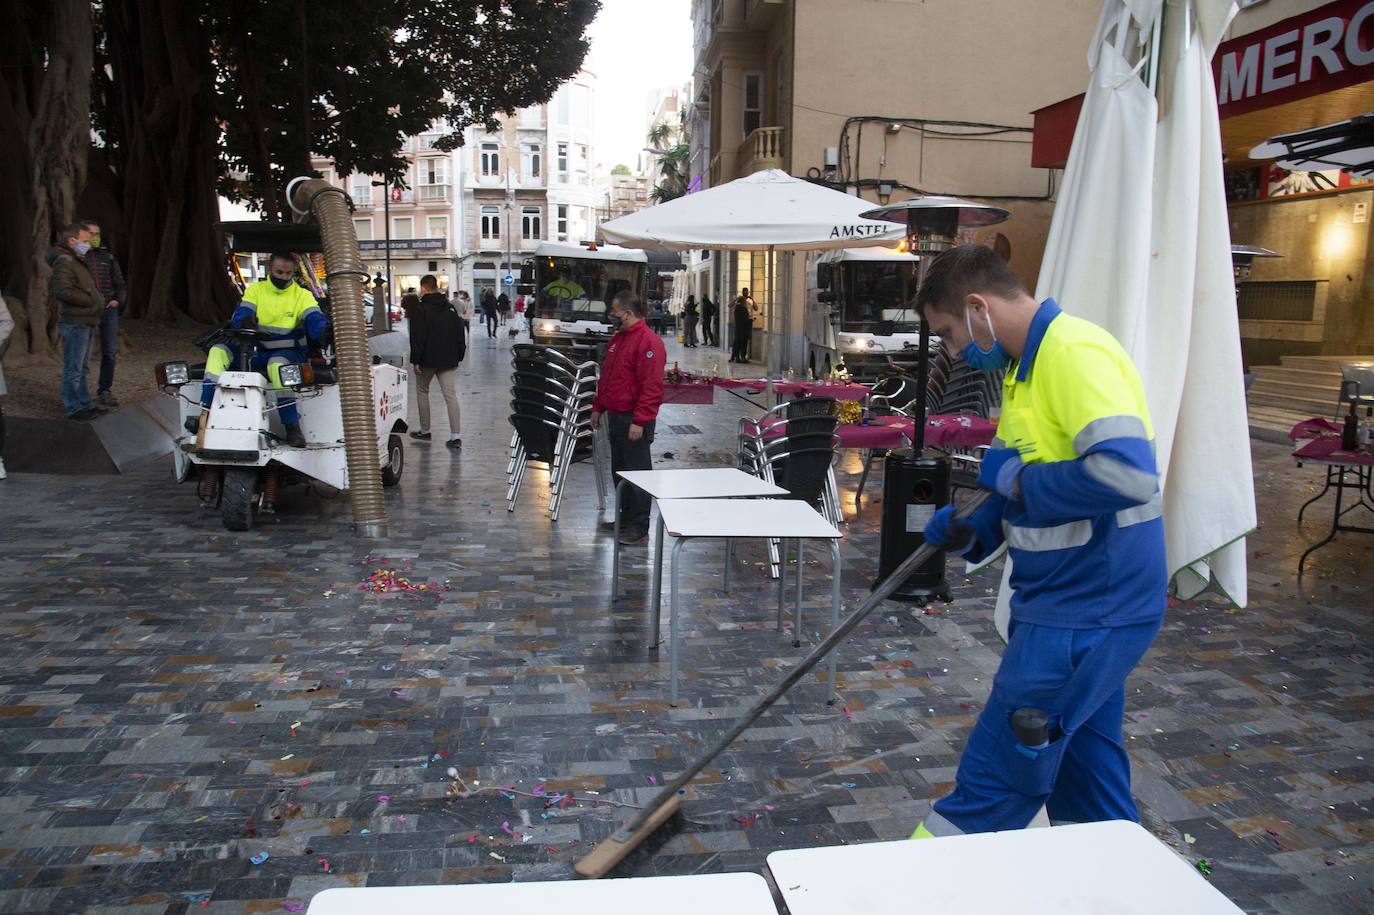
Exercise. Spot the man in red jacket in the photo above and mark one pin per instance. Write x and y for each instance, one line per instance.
(630, 390)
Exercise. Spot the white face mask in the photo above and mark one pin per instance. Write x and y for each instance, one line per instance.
(81, 247)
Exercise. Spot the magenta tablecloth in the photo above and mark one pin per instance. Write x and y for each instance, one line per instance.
(896, 431)
(851, 391)
(689, 392)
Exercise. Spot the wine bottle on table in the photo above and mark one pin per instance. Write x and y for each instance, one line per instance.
(1350, 433)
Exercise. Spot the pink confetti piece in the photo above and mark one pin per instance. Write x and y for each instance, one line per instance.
(324, 865)
(652, 779)
(292, 905)
(383, 798)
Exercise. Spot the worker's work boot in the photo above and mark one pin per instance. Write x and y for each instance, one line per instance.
(294, 437)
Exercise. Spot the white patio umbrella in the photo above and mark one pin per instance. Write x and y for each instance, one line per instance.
(1145, 173)
(766, 211)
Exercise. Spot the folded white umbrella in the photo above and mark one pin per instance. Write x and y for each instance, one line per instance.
(768, 209)
(1164, 285)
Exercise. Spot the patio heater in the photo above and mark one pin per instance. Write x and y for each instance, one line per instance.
(1243, 260)
(914, 483)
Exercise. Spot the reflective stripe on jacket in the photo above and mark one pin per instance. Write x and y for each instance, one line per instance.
(1086, 537)
(632, 375)
(288, 316)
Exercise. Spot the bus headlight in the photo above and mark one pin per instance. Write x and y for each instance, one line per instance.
(172, 374)
(548, 328)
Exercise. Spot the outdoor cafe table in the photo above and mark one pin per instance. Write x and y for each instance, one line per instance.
(1353, 470)
(1114, 867)
(767, 519)
(889, 432)
(840, 390)
(720, 894)
(704, 483)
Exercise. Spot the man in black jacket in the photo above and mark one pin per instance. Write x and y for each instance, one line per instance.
(437, 345)
(709, 312)
(109, 279)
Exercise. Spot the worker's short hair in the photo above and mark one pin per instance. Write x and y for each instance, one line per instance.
(964, 270)
(630, 302)
(281, 256)
(71, 230)
(429, 282)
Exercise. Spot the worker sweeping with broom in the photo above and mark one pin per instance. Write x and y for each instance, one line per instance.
(1077, 501)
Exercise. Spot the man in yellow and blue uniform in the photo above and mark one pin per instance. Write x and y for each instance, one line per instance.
(287, 315)
(1076, 499)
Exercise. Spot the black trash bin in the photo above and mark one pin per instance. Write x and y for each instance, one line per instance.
(913, 488)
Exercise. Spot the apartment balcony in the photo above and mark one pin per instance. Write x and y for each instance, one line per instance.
(760, 14)
(434, 193)
(762, 148)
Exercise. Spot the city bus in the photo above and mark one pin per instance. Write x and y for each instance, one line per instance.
(573, 285)
(861, 311)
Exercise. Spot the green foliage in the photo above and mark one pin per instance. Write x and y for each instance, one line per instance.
(350, 79)
(674, 162)
(621, 169)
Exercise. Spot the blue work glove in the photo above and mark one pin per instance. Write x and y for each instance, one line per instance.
(945, 530)
(1000, 472)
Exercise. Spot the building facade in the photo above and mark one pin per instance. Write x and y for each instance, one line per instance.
(884, 100)
(424, 212)
(1286, 67)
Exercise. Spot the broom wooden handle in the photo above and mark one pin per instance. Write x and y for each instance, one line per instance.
(619, 844)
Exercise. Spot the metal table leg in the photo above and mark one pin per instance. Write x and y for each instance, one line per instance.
(615, 544)
(655, 576)
(1325, 490)
(782, 582)
(675, 610)
(729, 551)
(834, 614)
(796, 613)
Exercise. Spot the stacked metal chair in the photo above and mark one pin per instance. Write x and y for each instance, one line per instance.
(793, 446)
(551, 407)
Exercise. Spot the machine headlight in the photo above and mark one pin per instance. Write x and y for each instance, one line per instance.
(859, 343)
(172, 374)
(548, 328)
(296, 375)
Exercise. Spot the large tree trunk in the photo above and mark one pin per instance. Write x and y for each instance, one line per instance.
(164, 81)
(45, 113)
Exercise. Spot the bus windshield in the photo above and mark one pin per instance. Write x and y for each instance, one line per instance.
(579, 288)
(877, 297)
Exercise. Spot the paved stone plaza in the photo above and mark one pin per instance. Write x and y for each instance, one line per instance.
(197, 720)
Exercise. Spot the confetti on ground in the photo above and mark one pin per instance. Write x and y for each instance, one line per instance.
(1204, 867)
(260, 857)
(496, 856)
(385, 581)
(293, 905)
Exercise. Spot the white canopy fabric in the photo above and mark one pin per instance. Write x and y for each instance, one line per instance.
(1164, 286)
(768, 209)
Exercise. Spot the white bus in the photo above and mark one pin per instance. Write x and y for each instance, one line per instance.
(573, 284)
(861, 310)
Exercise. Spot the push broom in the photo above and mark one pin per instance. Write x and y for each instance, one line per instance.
(667, 802)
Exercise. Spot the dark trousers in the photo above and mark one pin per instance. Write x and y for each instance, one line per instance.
(628, 455)
(708, 330)
(109, 348)
(740, 349)
(490, 318)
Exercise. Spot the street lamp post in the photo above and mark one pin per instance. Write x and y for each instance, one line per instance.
(386, 217)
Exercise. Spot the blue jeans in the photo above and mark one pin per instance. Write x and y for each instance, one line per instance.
(109, 347)
(76, 365)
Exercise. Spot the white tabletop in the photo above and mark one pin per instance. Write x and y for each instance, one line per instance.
(1085, 869)
(744, 518)
(720, 894)
(702, 483)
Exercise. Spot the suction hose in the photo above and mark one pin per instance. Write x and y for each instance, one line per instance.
(345, 274)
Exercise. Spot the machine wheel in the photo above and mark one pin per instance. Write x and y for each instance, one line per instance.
(237, 495)
(395, 460)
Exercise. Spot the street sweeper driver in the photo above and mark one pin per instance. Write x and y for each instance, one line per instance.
(1077, 502)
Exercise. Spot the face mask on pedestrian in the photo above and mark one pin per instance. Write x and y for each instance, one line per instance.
(280, 283)
(616, 320)
(994, 358)
(81, 247)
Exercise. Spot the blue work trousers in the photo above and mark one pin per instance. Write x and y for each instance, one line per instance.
(1083, 775)
(264, 362)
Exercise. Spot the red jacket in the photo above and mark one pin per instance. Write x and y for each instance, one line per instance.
(632, 375)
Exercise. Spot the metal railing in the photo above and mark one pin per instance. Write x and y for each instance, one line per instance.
(433, 192)
(1281, 300)
(762, 148)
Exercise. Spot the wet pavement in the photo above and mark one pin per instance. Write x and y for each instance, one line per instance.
(197, 720)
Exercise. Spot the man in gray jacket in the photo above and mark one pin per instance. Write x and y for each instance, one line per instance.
(79, 307)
